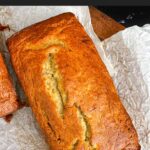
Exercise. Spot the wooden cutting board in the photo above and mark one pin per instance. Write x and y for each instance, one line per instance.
(104, 26)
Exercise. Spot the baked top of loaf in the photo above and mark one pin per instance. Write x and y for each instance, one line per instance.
(8, 98)
(69, 88)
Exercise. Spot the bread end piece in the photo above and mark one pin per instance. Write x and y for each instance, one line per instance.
(8, 97)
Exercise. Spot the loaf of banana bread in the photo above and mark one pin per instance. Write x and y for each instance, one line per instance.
(8, 97)
(69, 88)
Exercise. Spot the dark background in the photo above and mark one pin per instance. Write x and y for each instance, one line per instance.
(128, 16)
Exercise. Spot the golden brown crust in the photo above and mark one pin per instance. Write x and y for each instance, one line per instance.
(69, 88)
(8, 98)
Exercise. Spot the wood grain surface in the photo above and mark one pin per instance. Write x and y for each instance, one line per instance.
(104, 26)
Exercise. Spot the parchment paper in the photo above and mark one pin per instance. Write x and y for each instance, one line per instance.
(129, 53)
(23, 132)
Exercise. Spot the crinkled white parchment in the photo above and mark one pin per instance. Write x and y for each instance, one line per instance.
(129, 53)
(23, 132)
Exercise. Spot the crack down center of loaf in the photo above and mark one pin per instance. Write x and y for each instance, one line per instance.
(54, 87)
(53, 84)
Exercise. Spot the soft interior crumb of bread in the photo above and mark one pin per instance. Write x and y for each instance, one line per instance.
(83, 123)
(85, 128)
(53, 83)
